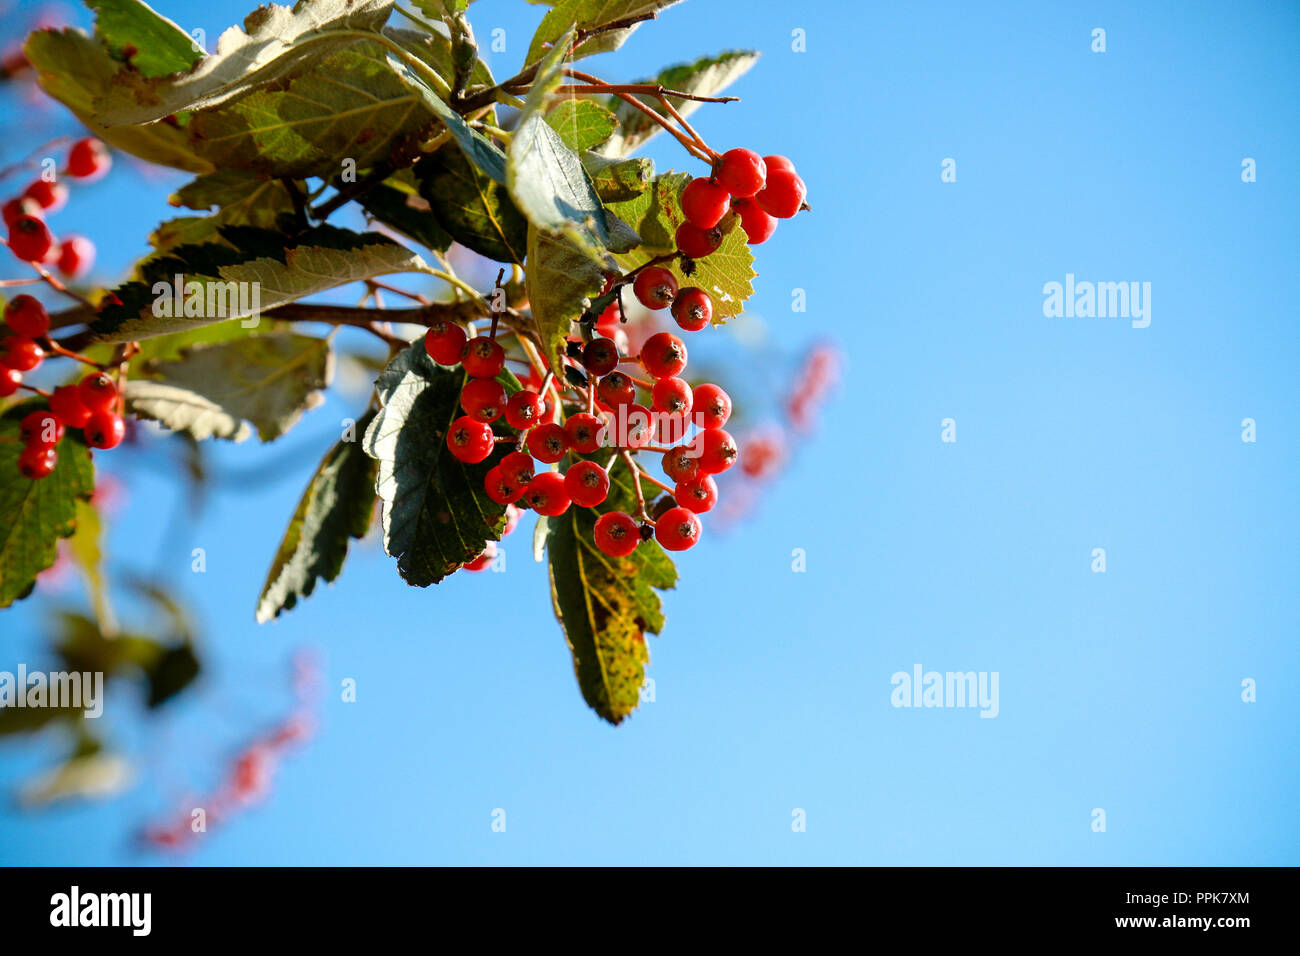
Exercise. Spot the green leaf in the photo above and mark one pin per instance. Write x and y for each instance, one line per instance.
(726, 274)
(259, 271)
(475, 210)
(397, 203)
(86, 549)
(150, 42)
(587, 14)
(707, 76)
(606, 605)
(74, 69)
(581, 124)
(335, 508)
(561, 278)
(618, 180)
(436, 514)
(276, 42)
(269, 380)
(34, 515)
(170, 673)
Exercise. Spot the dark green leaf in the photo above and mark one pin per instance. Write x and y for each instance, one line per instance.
(174, 670)
(398, 204)
(561, 278)
(475, 210)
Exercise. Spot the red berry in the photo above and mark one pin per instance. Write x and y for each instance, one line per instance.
(671, 395)
(610, 317)
(757, 224)
(469, 440)
(30, 239)
(15, 209)
(677, 529)
(26, 316)
(40, 427)
(586, 484)
(616, 389)
(37, 461)
(104, 429)
(777, 164)
(663, 355)
(670, 429)
(484, 399)
(680, 464)
(782, 196)
(600, 356)
(616, 534)
(548, 442)
(10, 379)
(545, 494)
(483, 357)
(51, 197)
(637, 432)
(484, 559)
(655, 287)
(704, 203)
(88, 157)
(97, 391)
(445, 341)
(499, 489)
(517, 468)
(718, 451)
(524, 409)
(20, 353)
(76, 256)
(692, 309)
(585, 433)
(712, 406)
(742, 172)
(698, 494)
(696, 243)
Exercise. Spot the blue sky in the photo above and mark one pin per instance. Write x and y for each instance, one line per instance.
(1118, 690)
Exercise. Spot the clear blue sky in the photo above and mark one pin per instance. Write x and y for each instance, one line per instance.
(1119, 690)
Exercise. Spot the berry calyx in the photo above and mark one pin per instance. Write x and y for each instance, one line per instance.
(655, 288)
(445, 341)
(742, 172)
(470, 441)
(616, 534)
(711, 405)
(88, 157)
(585, 433)
(484, 399)
(696, 243)
(548, 442)
(783, 195)
(663, 355)
(586, 484)
(483, 357)
(692, 309)
(37, 461)
(104, 429)
(40, 428)
(26, 316)
(757, 224)
(671, 395)
(51, 197)
(97, 391)
(698, 494)
(718, 451)
(517, 468)
(545, 494)
(616, 389)
(10, 379)
(680, 465)
(677, 529)
(524, 409)
(20, 353)
(30, 239)
(600, 356)
(704, 203)
(76, 256)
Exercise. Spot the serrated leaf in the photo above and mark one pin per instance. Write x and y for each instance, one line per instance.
(34, 515)
(726, 275)
(587, 14)
(335, 508)
(475, 210)
(269, 380)
(275, 42)
(149, 41)
(279, 269)
(397, 203)
(436, 514)
(75, 69)
(560, 278)
(707, 76)
(606, 605)
(581, 124)
(618, 180)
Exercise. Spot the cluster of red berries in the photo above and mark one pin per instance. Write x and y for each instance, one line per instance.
(30, 238)
(759, 189)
